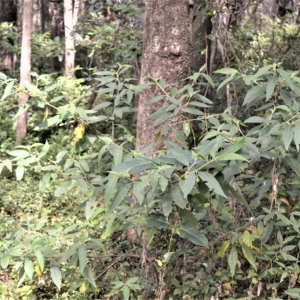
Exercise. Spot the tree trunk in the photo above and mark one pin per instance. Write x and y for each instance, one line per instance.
(25, 66)
(167, 55)
(57, 31)
(70, 18)
(8, 13)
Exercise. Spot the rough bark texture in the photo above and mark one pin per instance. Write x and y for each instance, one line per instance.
(25, 66)
(166, 55)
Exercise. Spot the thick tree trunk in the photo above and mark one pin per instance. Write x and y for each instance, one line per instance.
(166, 55)
(25, 66)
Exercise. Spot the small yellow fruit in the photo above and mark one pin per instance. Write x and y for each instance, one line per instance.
(38, 269)
(79, 132)
(83, 288)
(227, 286)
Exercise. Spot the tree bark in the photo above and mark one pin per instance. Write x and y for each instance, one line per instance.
(166, 55)
(70, 18)
(25, 67)
(56, 31)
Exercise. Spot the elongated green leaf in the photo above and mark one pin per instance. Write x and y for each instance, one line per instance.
(119, 197)
(88, 274)
(139, 191)
(270, 87)
(212, 183)
(187, 184)
(248, 254)
(28, 268)
(155, 99)
(40, 258)
(19, 154)
(8, 90)
(226, 71)
(167, 201)
(294, 164)
(56, 276)
(297, 135)
(118, 155)
(20, 170)
(82, 257)
(208, 78)
(231, 156)
(4, 261)
(177, 196)
(158, 221)
(62, 188)
(234, 148)
(47, 123)
(22, 109)
(287, 136)
(135, 165)
(255, 120)
(110, 187)
(190, 232)
(232, 261)
(126, 292)
(254, 93)
(222, 251)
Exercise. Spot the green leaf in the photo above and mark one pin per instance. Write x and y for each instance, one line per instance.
(135, 165)
(126, 292)
(119, 197)
(297, 135)
(177, 196)
(56, 275)
(226, 71)
(248, 254)
(270, 87)
(155, 99)
(187, 184)
(158, 221)
(40, 258)
(231, 156)
(167, 201)
(19, 154)
(139, 191)
(47, 123)
(294, 293)
(20, 170)
(232, 261)
(234, 147)
(28, 268)
(4, 261)
(22, 108)
(253, 94)
(222, 251)
(255, 120)
(62, 188)
(118, 155)
(190, 232)
(212, 183)
(110, 187)
(82, 257)
(87, 273)
(267, 233)
(8, 90)
(287, 136)
(294, 164)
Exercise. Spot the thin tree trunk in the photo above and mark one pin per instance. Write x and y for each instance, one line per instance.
(70, 19)
(25, 67)
(166, 55)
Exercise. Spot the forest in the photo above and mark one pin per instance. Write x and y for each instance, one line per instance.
(149, 149)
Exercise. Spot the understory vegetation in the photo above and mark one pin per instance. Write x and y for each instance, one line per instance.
(84, 215)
